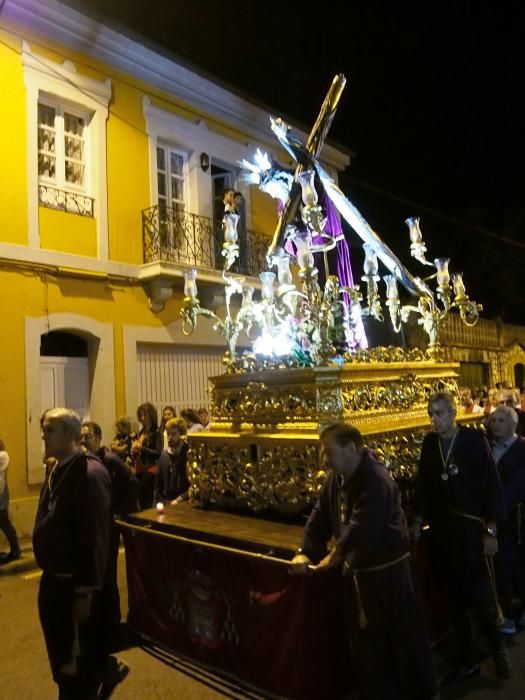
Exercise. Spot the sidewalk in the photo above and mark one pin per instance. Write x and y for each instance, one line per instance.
(26, 562)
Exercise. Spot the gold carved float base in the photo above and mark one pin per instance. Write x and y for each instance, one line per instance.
(261, 452)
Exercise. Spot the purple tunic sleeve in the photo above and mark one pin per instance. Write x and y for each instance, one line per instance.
(93, 528)
(318, 529)
(493, 505)
(371, 515)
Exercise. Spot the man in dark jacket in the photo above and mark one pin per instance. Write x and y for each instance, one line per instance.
(360, 506)
(458, 494)
(124, 500)
(70, 542)
(172, 482)
(508, 449)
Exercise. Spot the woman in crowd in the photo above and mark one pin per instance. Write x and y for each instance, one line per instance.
(204, 417)
(168, 412)
(146, 451)
(5, 524)
(124, 438)
(192, 420)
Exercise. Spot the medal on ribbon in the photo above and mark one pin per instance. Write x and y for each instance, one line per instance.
(453, 469)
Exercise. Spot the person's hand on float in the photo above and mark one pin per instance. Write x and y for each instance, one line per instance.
(332, 560)
(300, 564)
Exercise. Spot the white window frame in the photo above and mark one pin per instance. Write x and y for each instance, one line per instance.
(45, 79)
(193, 138)
(60, 182)
(169, 149)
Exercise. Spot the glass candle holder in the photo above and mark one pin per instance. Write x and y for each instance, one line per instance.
(190, 285)
(459, 287)
(306, 180)
(370, 265)
(267, 291)
(443, 276)
(392, 293)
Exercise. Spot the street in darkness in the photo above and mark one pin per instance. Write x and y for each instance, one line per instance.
(25, 675)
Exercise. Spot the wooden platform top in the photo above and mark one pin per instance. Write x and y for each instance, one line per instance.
(231, 529)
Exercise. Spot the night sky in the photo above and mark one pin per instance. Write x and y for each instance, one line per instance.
(432, 112)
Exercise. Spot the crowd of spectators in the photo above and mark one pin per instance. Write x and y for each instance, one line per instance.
(503, 394)
(154, 442)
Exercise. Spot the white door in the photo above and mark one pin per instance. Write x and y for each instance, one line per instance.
(171, 375)
(64, 381)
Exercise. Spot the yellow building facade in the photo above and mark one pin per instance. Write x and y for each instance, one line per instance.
(114, 161)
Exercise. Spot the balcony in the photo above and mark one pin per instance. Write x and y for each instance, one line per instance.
(71, 202)
(173, 240)
(174, 236)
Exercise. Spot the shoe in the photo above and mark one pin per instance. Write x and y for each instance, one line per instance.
(507, 627)
(502, 664)
(12, 556)
(462, 674)
(116, 672)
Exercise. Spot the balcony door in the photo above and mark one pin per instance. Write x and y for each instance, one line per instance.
(222, 179)
(172, 169)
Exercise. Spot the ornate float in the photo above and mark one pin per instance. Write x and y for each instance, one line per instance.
(310, 362)
(214, 586)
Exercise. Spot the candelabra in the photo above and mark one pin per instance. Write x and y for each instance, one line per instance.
(371, 278)
(302, 322)
(431, 308)
(230, 326)
(312, 214)
(306, 322)
(268, 315)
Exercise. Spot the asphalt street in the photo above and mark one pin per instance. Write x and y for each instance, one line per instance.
(24, 670)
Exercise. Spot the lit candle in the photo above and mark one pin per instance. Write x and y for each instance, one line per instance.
(160, 507)
(306, 180)
(443, 276)
(267, 279)
(370, 266)
(305, 258)
(230, 228)
(392, 293)
(283, 270)
(247, 294)
(413, 228)
(190, 286)
(459, 287)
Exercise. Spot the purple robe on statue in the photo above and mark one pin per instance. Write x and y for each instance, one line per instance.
(338, 264)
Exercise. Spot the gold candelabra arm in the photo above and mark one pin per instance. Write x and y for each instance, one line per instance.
(469, 312)
(190, 311)
(233, 285)
(373, 301)
(417, 245)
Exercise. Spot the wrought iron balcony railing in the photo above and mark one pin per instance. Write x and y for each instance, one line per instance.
(72, 202)
(173, 235)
